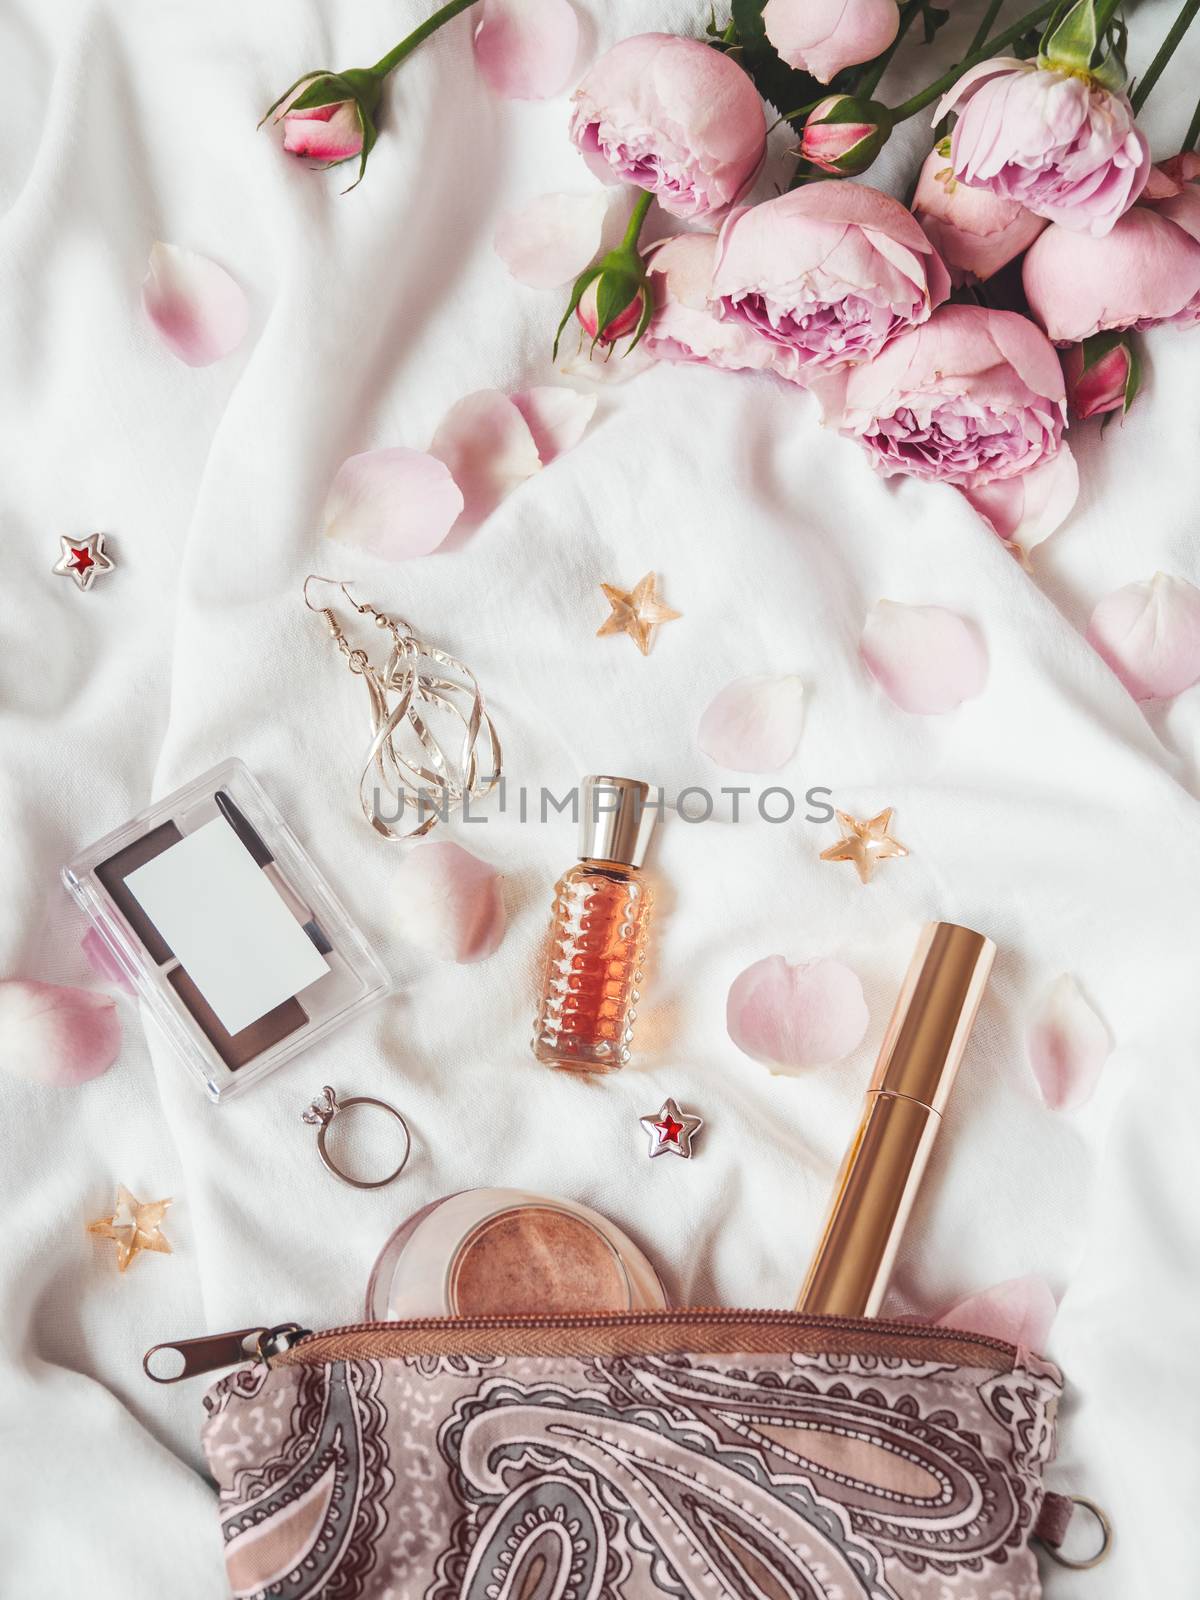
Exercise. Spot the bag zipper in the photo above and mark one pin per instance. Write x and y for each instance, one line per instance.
(289, 1344)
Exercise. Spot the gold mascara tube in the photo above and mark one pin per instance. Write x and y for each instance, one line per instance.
(913, 1076)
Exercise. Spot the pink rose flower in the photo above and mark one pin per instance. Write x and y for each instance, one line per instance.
(1059, 144)
(972, 397)
(823, 36)
(673, 116)
(828, 273)
(1145, 271)
(974, 231)
(684, 326)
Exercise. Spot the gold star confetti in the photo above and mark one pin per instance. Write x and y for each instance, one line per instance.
(865, 843)
(638, 612)
(133, 1226)
(83, 560)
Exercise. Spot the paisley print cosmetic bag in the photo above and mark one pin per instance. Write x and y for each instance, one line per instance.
(762, 1456)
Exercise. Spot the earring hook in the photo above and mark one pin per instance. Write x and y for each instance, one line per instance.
(317, 577)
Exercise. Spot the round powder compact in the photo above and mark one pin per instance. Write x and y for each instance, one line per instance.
(533, 1258)
(502, 1252)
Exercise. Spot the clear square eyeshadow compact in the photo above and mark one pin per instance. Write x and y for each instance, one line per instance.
(212, 912)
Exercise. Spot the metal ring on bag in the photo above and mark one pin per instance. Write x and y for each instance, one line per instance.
(1106, 1538)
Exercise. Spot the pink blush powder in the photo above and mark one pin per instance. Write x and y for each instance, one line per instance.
(535, 1259)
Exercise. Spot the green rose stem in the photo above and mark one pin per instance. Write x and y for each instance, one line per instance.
(1187, 15)
(918, 102)
(637, 216)
(1192, 138)
(985, 23)
(392, 60)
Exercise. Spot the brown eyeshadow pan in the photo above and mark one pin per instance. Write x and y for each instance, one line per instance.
(236, 1049)
(113, 872)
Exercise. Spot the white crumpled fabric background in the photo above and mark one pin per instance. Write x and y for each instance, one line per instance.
(1051, 812)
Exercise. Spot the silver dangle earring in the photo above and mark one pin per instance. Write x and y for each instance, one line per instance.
(433, 744)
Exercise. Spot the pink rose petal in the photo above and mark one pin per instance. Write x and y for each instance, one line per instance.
(753, 724)
(453, 906)
(925, 658)
(1149, 633)
(392, 503)
(103, 962)
(548, 242)
(1067, 1044)
(796, 1016)
(526, 49)
(330, 133)
(197, 308)
(53, 1035)
(489, 449)
(1019, 1312)
(556, 416)
(1028, 508)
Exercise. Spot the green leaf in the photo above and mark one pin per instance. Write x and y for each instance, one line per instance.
(642, 324)
(369, 136)
(327, 90)
(616, 291)
(934, 18)
(1098, 346)
(291, 88)
(587, 276)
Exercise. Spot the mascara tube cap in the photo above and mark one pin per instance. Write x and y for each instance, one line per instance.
(933, 1015)
(913, 1076)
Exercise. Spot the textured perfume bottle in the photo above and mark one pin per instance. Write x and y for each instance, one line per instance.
(598, 933)
(593, 969)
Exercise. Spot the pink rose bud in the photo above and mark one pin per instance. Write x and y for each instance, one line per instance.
(675, 117)
(587, 315)
(974, 231)
(843, 134)
(1058, 143)
(328, 117)
(824, 36)
(612, 297)
(1103, 375)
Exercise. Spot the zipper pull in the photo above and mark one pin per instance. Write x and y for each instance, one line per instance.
(217, 1350)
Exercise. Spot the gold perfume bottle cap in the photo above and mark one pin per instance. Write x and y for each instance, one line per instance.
(616, 819)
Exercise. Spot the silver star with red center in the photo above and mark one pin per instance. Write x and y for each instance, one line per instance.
(83, 559)
(671, 1129)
